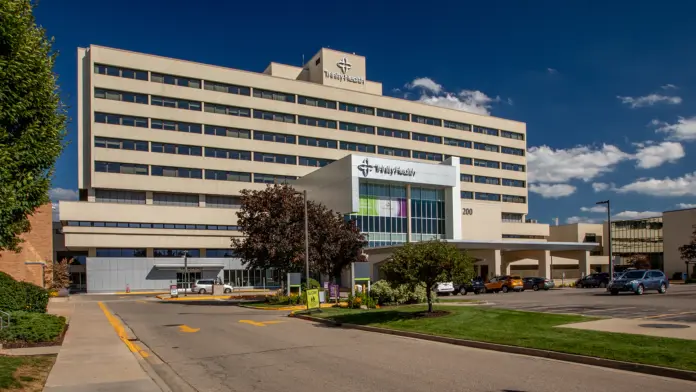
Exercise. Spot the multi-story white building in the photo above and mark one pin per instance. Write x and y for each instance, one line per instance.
(165, 146)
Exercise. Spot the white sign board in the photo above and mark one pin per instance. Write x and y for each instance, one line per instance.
(404, 171)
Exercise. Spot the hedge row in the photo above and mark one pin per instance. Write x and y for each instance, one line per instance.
(33, 328)
(21, 296)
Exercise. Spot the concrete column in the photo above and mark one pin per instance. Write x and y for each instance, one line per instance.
(92, 252)
(91, 195)
(496, 263)
(584, 262)
(149, 252)
(408, 212)
(544, 264)
(202, 252)
(201, 200)
(148, 197)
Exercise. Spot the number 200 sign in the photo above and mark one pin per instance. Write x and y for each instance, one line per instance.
(467, 211)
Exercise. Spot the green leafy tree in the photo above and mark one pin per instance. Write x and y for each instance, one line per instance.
(639, 261)
(32, 119)
(688, 253)
(427, 263)
(334, 242)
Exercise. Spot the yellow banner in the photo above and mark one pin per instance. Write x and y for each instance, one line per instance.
(313, 299)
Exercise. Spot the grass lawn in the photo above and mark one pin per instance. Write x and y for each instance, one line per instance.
(27, 373)
(527, 329)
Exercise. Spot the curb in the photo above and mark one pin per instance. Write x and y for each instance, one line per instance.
(559, 356)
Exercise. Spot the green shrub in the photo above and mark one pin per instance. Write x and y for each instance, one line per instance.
(33, 328)
(384, 294)
(279, 299)
(21, 296)
(5, 278)
(36, 298)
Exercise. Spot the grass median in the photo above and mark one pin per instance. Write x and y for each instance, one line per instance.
(526, 329)
(25, 373)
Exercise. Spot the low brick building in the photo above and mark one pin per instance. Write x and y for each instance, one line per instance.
(37, 248)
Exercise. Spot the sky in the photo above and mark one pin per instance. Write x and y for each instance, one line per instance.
(606, 88)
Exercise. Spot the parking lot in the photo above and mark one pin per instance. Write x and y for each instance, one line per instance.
(678, 304)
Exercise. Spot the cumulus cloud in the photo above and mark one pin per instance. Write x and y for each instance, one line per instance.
(669, 86)
(552, 71)
(649, 100)
(552, 191)
(684, 129)
(600, 186)
(598, 209)
(580, 219)
(686, 205)
(427, 84)
(58, 194)
(678, 186)
(472, 101)
(651, 155)
(585, 163)
(636, 214)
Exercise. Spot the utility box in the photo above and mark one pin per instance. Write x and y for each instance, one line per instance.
(218, 289)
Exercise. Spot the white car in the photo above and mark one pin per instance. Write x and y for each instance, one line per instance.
(203, 286)
(444, 288)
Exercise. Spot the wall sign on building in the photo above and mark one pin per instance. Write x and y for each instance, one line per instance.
(467, 211)
(344, 66)
(365, 168)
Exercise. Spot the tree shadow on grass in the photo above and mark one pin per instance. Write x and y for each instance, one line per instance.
(368, 317)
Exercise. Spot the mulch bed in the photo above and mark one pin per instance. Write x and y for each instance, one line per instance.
(57, 342)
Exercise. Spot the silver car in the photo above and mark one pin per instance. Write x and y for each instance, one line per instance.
(203, 286)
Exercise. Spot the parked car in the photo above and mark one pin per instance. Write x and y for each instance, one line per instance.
(637, 281)
(600, 279)
(504, 283)
(444, 288)
(475, 286)
(203, 286)
(536, 283)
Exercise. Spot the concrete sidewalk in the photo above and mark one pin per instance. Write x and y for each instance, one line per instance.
(648, 327)
(94, 358)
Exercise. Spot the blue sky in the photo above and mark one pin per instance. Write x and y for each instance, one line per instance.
(606, 90)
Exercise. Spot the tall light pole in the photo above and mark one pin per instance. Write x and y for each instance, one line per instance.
(306, 237)
(611, 261)
(186, 275)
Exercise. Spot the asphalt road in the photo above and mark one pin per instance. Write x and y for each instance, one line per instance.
(676, 305)
(227, 348)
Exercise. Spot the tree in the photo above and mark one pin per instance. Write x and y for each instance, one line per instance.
(688, 253)
(427, 263)
(61, 274)
(334, 242)
(639, 261)
(32, 119)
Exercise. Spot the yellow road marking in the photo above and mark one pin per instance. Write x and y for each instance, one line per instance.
(187, 329)
(260, 323)
(142, 302)
(668, 315)
(121, 331)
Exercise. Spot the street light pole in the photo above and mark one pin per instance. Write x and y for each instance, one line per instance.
(186, 274)
(306, 237)
(611, 259)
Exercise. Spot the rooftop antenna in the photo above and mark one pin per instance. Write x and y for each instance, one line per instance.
(556, 219)
(302, 60)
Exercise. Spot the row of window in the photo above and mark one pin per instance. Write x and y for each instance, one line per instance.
(292, 98)
(158, 252)
(137, 225)
(493, 197)
(172, 199)
(492, 180)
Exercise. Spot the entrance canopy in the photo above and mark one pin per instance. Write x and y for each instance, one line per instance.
(503, 246)
(179, 267)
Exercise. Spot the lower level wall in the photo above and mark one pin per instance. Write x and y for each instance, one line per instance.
(37, 249)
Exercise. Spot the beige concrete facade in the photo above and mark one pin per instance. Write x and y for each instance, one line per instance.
(678, 230)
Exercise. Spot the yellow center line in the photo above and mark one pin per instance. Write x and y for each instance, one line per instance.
(121, 331)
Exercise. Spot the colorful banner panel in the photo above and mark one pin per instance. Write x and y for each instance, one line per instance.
(372, 206)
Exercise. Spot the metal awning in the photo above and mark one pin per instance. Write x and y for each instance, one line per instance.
(190, 266)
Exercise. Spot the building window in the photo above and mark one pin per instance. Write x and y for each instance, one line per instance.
(514, 183)
(120, 72)
(511, 217)
(315, 162)
(316, 122)
(122, 168)
(275, 158)
(221, 175)
(426, 138)
(367, 129)
(428, 156)
(486, 131)
(485, 163)
(228, 110)
(120, 144)
(226, 88)
(486, 147)
(487, 196)
(466, 177)
(122, 96)
(393, 133)
(274, 137)
(272, 179)
(512, 151)
(180, 172)
(274, 95)
(212, 152)
(220, 253)
(228, 132)
(177, 149)
(487, 180)
(216, 201)
(524, 236)
(395, 152)
(177, 252)
(119, 197)
(467, 195)
(347, 107)
(316, 142)
(175, 126)
(121, 252)
(175, 80)
(176, 103)
(457, 142)
(457, 125)
(512, 166)
(426, 120)
(514, 199)
(428, 213)
(317, 102)
(175, 199)
(118, 119)
(466, 161)
(512, 135)
(392, 114)
(357, 147)
(382, 213)
(274, 116)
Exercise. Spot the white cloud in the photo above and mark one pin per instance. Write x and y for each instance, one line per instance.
(600, 186)
(580, 219)
(58, 194)
(555, 191)
(594, 209)
(636, 214)
(650, 155)
(581, 162)
(679, 186)
(669, 86)
(686, 205)
(426, 83)
(683, 129)
(649, 100)
(552, 71)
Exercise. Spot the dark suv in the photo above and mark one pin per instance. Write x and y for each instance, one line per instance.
(474, 286)
(600, 279)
